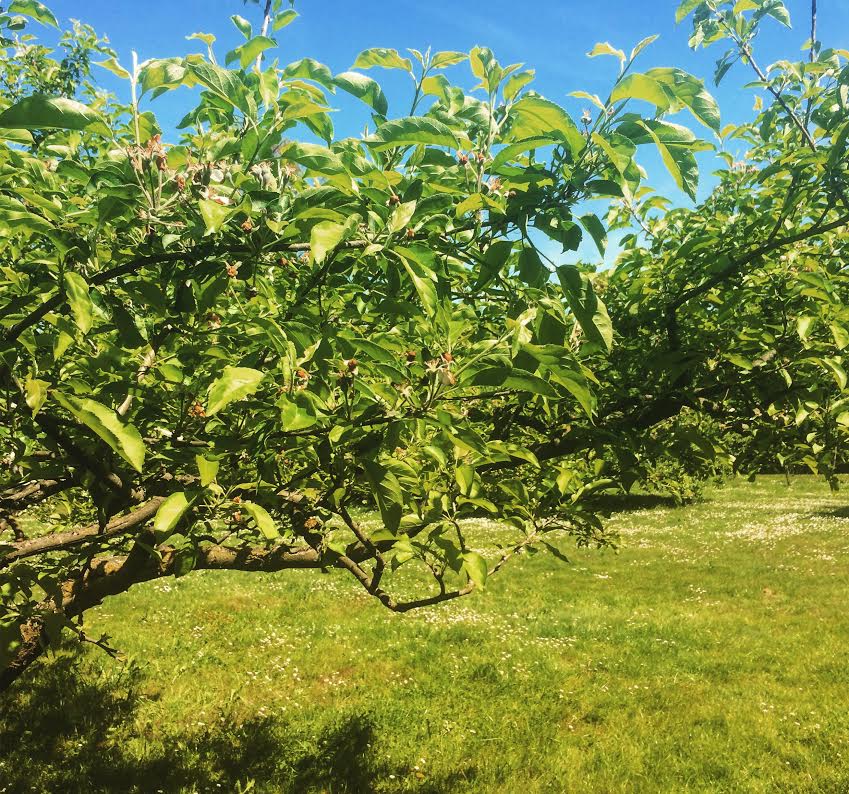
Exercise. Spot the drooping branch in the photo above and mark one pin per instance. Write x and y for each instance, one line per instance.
(109, 575)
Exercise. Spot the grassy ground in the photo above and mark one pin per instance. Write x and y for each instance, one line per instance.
(709, 654)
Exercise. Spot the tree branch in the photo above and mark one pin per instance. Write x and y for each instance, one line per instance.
(766, 248)
(20, 497)
(60, 541)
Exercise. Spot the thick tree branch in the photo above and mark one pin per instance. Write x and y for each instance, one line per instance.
(61, 541)
(108, 576)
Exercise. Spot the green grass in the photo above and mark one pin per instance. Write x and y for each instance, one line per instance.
(708, 654)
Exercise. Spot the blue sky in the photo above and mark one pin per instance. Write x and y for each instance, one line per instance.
(552, 36)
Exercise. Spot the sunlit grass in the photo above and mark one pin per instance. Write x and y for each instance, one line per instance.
(708, 654)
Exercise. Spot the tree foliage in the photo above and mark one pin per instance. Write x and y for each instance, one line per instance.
(218, 347)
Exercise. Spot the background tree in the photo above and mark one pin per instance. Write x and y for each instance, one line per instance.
(216, 351)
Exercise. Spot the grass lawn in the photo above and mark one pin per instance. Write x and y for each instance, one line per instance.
(708, 654)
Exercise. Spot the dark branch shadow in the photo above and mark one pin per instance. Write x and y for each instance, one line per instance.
(837, 512)
(625, 503)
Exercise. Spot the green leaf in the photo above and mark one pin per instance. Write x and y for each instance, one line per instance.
(401, 216)
(381, 56)
(576, 384)
(162, 73)
(473, 203)
(739, 361)
(420, 273)
(641, 86)
(234, 384)
(531, 269)
(804, 325)
(40, 112)
(589, 97)
(690, 92)
(17, 136)
(35, 10)
(224, 84)
(476, 568)
(447, 58)
(113, 66)
(513, 379)
(596, 230)
(123, 438)
(76, 291)
(516, 82)
(534, 116)
(315, 157)
(465, 476)
(425, 289)
(606, 48)
(618, 148)
(840, 334)
(686, 7)
(214, 215)
(485, 67)
(250, 50)
(364, 88)
(208, 469)
(265, 523)
(169, 514)
(206, 38)
(777, 10)
(588, 309)
(284, 18)
(325, 236)
(678, 159)
(387, 492)
(294, 417)
(835, 366)
(411, 131)
(642, 45)
(36, 393)
(10, 638)
(309, 69)
(242, 25)
(508, 153)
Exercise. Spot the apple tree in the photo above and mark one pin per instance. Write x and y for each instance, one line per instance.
(222, 346)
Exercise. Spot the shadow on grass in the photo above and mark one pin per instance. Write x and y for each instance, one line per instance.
(837, 512)
(62, 731)
(625, 503)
